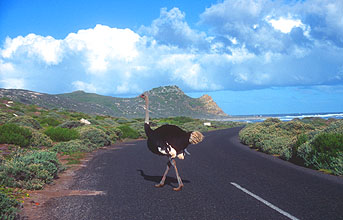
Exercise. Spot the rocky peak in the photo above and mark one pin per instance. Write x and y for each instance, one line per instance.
(166, 89)
(211, 106)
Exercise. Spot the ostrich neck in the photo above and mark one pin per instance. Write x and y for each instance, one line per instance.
(147, 110)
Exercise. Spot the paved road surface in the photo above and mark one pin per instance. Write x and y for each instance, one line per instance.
(223, 180)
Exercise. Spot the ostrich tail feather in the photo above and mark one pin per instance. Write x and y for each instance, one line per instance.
(196, 137)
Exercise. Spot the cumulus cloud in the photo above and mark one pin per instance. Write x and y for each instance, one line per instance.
(171, 28)
(249, 44)
(34, 46)
(103, 45)
(79, 85)
(12, 83)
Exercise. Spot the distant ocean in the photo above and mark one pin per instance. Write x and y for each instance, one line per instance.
(286, 117)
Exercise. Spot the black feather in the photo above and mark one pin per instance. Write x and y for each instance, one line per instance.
(164, 135)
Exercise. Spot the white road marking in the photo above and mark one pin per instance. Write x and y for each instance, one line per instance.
(265, 202)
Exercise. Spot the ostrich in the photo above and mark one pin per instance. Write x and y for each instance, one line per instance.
(170, 141)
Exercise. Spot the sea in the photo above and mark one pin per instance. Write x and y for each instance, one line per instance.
(285, 117)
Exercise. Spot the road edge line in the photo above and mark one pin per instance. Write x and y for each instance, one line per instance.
(265, 202)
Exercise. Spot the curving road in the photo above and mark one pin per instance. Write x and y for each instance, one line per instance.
(223, 180)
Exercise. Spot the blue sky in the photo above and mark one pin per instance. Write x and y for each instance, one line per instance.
(251, 56)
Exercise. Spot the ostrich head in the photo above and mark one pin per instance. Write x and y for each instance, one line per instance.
(143, 96)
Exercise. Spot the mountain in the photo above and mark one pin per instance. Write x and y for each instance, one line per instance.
(165, 101)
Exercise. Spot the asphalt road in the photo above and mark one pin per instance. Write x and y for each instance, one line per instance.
(223, 180)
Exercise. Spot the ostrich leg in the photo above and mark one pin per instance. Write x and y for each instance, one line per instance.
(164, 176)
(178, 177)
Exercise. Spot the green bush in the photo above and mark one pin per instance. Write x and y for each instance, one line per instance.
(123, 120)
(62, 134)
(315, 121)
(316, 143)
(39, 139)
(94, 135)
(100, 117)
(4, 118)
(323, 152)
(55, 116)
(113, 133)
(275, 137)
(335, 127)
(74, 146)
(301, 139)
(29, 170)
(13, 134)
(25, 121)
(8, 206)
(50, 121)
(128, 132)
(329, 144)
(78, 115)
(71, 124)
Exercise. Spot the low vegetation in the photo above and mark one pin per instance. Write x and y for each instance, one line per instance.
(14, 134)
(313, 142)
(9, 203)
(32, 139)
(61, 134)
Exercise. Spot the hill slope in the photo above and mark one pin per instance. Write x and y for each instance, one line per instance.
(164, 102)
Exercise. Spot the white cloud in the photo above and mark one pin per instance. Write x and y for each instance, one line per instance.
(6, 67)
(285, 25)
(102, 45)
(88, 87)
(250, 44)
(172, 29)
(12, 83)
(46, 49)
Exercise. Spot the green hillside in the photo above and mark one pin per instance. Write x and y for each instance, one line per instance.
(168, 101)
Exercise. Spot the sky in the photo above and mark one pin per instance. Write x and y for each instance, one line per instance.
(251, 56)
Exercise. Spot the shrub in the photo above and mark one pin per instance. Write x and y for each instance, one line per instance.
(25, 121)
(271, 121)
(94, 135)
(329, 144)
(4, 117)
(61, 134)
(315, 121)
(301, 139)
(50, 121)
(39, 139)
(13, 134)
(29, 170)
(31, 108)
(74, 146)
(100, 117)
(123, 120)
(275, 137)
(71, 124)
(113, 133)
(78, 115)
(128, 132)
(55, 116)
(335, 127)
(8, 206)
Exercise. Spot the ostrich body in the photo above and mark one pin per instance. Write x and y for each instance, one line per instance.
(170, 141)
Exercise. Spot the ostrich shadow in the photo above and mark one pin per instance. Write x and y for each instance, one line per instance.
(169, 180)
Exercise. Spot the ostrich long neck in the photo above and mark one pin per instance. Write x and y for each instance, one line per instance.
(147, 110)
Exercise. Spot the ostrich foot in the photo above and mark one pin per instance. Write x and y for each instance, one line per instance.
(178, 188)
(159, 185)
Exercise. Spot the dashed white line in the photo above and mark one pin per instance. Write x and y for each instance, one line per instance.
(265, 202)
